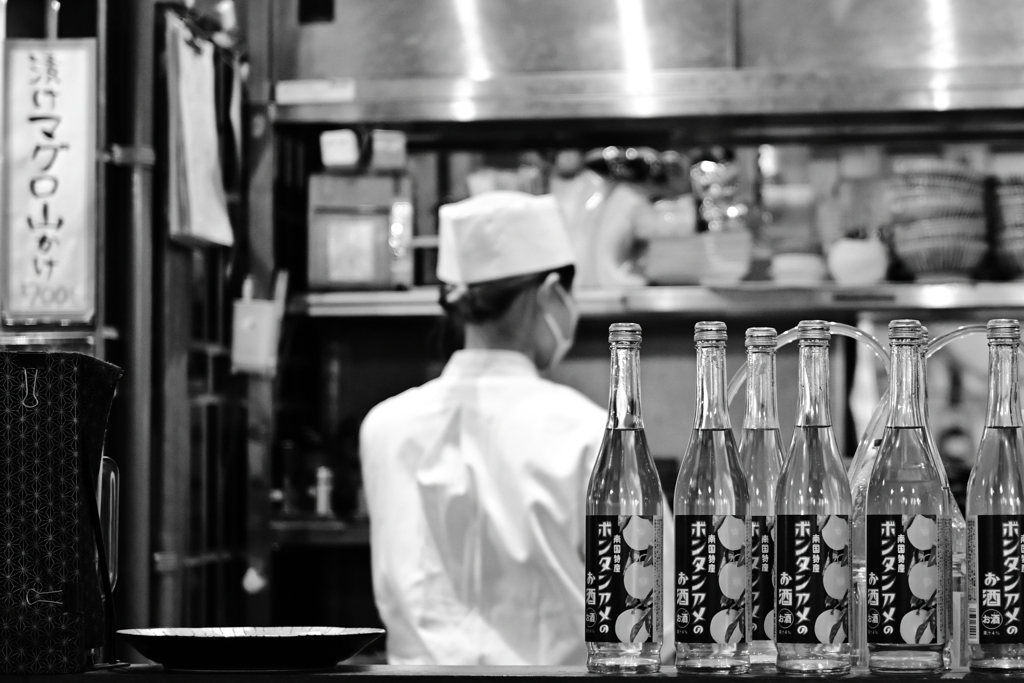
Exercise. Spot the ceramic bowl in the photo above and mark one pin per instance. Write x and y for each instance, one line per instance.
(858, 262)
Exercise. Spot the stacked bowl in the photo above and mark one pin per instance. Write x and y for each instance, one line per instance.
(1010, 237)
(937, 211)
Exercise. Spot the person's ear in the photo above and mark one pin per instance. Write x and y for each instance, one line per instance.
(546, 293)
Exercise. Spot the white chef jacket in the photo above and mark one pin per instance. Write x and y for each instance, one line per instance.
(476, 487)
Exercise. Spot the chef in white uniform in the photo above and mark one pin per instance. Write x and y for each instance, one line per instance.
(476, 481)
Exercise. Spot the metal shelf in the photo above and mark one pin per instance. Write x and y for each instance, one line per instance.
(670, 93)
(751, 299)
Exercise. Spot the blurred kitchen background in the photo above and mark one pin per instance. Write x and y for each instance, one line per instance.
(754, 161)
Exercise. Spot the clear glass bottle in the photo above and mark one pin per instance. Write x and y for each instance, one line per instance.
(860, 472)
(908, 527)
(761, 457)
(624, 526)
(712, 566)
(812, 527)
(995, 515)
(956, 612)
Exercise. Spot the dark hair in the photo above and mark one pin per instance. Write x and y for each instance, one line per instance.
(488, 301)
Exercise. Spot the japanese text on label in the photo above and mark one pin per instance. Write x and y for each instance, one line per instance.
(712, 601)
(995, 579)
(904, 603)
(623, 579)
(813, 565)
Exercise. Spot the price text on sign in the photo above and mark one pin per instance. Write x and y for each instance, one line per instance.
(49, 178)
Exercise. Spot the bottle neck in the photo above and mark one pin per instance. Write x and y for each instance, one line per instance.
(1003, 390)
(922, 369)
(712, 409)
(762, 408)
(624, 392)
(813, 410)
(906, 387)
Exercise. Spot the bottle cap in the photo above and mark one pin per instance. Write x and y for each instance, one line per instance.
(624, 332)
(814, 329)
(904, 330)
(1003, 328)
(710, 330)
(762, 337)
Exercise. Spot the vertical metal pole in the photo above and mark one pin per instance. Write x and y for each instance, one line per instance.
(136, 471)
(100, 275)
(3, 101)
(202, 547)
(220, 614)
(256, 17)
(52, 15)
(735, 36)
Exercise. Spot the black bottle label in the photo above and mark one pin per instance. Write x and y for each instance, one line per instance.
(904, 561)
(813, 578)
(623, 581)
(712, 574)
(762, 578)
(995, 610)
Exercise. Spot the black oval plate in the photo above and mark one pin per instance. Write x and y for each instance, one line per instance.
(250, 648)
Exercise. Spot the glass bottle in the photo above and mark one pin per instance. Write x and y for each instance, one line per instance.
(956, 610)
(859, 472)
(624, 526)
(908, 527)
(712, 566)
(761, 458)
(995, 515)
(812, 526)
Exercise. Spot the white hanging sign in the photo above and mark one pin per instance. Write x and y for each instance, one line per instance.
(49, 231)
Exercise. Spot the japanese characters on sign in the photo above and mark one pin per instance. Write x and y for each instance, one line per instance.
(904, 600)
(623, 579)
(813, 581)
(50, 133)
(712, 601)
(995, 579)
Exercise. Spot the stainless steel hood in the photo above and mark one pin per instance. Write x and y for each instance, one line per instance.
(481, 60)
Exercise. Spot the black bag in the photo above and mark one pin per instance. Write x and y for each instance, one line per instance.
(56, 612)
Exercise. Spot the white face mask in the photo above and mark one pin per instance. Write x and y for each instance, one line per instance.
(563, 341)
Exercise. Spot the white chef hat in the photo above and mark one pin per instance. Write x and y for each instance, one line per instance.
(500, 234)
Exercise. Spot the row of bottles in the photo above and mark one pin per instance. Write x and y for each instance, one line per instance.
(771, 561)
